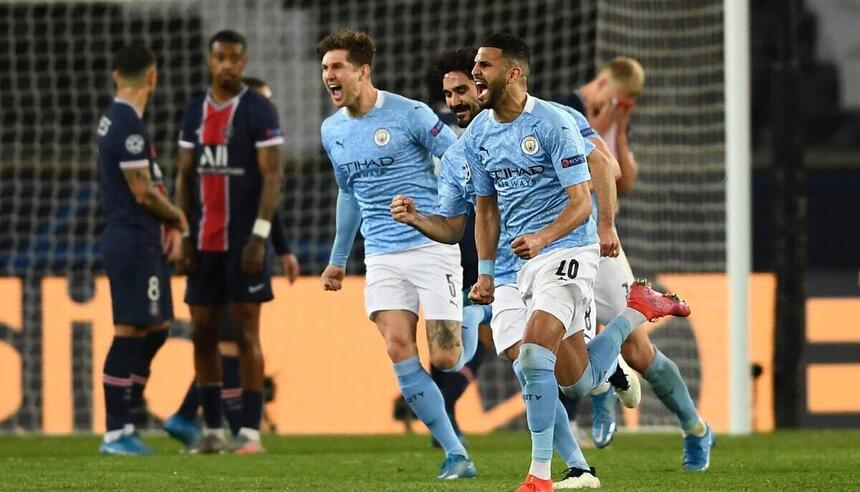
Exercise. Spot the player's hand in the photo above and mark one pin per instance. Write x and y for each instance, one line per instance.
(181, 224)
(610, 245)
(403, 209)
(291, 267)
(483, 291)
(528, 246)
(172, 244)
(254, 255)
(603, 116)
(187, 262)
(332, 277)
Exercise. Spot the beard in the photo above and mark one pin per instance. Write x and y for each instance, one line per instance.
(495, 89)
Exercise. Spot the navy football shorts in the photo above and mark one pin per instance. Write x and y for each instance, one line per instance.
(219, 280)
(139, 287)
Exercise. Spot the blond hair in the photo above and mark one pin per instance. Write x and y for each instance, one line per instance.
(627, 73)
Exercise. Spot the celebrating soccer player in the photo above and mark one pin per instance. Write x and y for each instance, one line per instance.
(229, 182)
(531, 181)
(609, 100)
(135, 244)
(381, 144)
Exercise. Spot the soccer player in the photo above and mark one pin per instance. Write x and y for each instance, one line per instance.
(381, 144)
(608, 100)
(183, 424)
(460, 97)
(532, 190)
(229, 182)
(135, 245)
(451, 223)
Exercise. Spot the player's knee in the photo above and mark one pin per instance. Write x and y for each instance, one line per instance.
(638, 353)
(445, 359)
(203, 340)
(247, 340)
(400, 348)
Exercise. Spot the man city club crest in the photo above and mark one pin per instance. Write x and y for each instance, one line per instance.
(134, 144)
(382, 137)
(529, 145)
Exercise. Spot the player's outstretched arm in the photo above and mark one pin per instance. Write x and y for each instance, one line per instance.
(184, 178)
(572, 216)
(140, 183)
(603, 184)
(447, 230)
(270, 163)
(487, 230)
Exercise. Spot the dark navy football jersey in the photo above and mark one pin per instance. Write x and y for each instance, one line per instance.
(124, 143)
(225, 138)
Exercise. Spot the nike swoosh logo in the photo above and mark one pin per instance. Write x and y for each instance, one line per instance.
(255, 288)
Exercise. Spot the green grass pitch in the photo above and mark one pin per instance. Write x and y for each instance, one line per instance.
(800, 460)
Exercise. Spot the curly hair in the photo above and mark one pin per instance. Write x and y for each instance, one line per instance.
(459, 60)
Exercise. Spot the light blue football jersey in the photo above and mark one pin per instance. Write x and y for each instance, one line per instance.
(587, 132)
(528, 163)
(386, 152)
(457, 197)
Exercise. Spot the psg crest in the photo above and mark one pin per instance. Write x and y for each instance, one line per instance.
(529, 145)
(382, 137)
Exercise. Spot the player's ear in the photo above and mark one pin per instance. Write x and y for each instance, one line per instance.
(365, 72)
(115, 76)
(152, 77)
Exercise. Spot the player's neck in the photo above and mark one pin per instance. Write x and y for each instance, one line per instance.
(364, 103)
(221, 95)
(135, 96)
(510, 105)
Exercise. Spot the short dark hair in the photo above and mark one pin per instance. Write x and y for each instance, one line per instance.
(228, 36)
(254, 83)
(459, 60)
(360, 48)
(513, 47)
(133, 60)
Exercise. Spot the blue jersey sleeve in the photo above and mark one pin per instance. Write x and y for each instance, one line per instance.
(127, 143)
(266, 128)
(567, 150)
(429, 131)
(452, 189)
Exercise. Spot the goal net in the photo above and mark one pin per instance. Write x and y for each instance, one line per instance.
(54, 73)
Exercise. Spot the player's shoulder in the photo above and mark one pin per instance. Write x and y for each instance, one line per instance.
(397, 102)
(333, 120)
(551, 118)
(456, 151)
(254, 99)
(120, 120)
